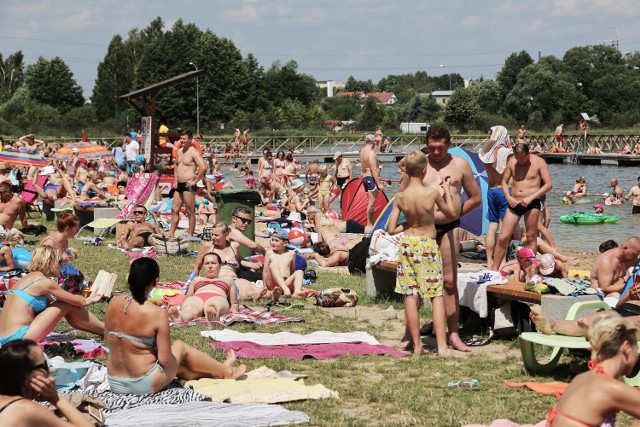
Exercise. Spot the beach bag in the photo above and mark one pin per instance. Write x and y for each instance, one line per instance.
(164, 245)
(337, 297)
(85, 403)
(510, 319)
(206, 233)
(381, 240)
(71, 279)
(67, 374)
(358, 257)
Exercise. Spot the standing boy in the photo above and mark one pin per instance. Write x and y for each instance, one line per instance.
(419, 263)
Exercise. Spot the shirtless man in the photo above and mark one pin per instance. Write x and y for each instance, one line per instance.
(617, 192)
(136, 233)
(559, 136)
(521, 133)
(280, 274)
(190, 169)
(531, 180)
(443, 165)
(371, 175)
(11, 206)
(635, 193)
(609, 270)
(343, 170)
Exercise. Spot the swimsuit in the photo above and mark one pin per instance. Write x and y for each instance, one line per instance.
(53, 187)
(340, 180)
(9, 403)
(442, 229)
(419, 267)
(325, 192)
(37, 303)
(204, 296)
(497, 204)
(369, 183)
(140, 385)
(182, 187)
(354, 226)
(145, 237)
(521, 210)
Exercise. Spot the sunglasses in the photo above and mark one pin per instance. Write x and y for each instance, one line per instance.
(244, 220)
(44, 366)
(138, 212)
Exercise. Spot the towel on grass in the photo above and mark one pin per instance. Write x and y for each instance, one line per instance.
(502, 422)
(285, 338)
(249, 350)
(259, 317)
(555, 389)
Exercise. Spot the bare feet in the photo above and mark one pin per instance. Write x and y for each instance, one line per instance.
(444, 352)
(259, 296)
(211, 313)
(456, 343)
(420, 351)
(276, 293)
(543, 324)
(174, 313)
(584, 323)
(237, 372)
(300, 295)
(402, 345)
(231, 358)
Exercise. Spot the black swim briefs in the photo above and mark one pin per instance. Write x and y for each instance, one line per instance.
(340, 181)
(145, 238)
(442, 229)
(521, 210)
(354, 226)
(628, 309)
(182, 187)
(635, 209)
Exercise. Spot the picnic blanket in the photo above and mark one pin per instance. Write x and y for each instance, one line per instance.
(87, 348)
(287, 338)
(250, 350)
(555, 389)
(262, 385)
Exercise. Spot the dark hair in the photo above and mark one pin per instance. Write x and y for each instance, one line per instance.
(606, 245)
(141, 206)
(67, 220)
(438, 132)
(280, 152)
(240, 209)
(212, 254)
(188, 133)
(122, 184)
(15, 365)
(322, 248)
(144, 271)
(6, 184)
(521, 148)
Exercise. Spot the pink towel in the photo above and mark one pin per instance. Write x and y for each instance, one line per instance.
(250, 350)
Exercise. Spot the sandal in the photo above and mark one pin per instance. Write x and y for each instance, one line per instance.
(470, 385)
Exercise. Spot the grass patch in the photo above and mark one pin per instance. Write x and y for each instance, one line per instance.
(374, 390)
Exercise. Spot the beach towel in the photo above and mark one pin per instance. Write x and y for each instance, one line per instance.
(496, 150)
(502, 422)
(249, 350)
(555, 389)
(259, 317)
(174, 394)
(206, 414)
(87, 348)
(472, 290)
(138, 190)
(287, 338)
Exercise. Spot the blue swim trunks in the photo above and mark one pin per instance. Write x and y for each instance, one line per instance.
(497, 204)
(369, 183)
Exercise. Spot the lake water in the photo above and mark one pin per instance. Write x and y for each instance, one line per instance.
(580, 237)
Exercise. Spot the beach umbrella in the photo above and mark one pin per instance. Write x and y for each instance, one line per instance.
(475, 222)
(354, 202)
(22, 158)
(85, 151)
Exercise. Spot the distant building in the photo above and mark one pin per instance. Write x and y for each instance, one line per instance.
(359, 94)
(408, 127)
(330, 85)
(385, 98)
(442, 96)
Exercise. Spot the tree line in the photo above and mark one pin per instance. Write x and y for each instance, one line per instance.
(237, 91)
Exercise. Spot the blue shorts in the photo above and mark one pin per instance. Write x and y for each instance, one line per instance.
(497, 204)
(369, 183)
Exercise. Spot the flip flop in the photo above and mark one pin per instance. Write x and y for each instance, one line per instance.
(476, 341)
(295, 305)
(469, 385)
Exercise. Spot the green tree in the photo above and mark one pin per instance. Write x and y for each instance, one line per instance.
(586, 64)
(488, 95)
(341, 107)
(353, 85)
(11, 74)
(372, 116)
(52, 83)
(284, 82)
(462, 110)
(616, 99)
(257, 98)
(514, 63)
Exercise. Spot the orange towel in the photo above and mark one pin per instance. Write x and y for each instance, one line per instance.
(555, 389)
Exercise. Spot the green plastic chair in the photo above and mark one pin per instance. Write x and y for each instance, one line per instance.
(560, 342)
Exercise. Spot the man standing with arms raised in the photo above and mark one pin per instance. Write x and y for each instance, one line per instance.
(371, 174)
(190, 169)
(531, 180)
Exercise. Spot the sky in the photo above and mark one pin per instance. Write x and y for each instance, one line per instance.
(330, 39)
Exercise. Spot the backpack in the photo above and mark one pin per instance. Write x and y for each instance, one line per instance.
(358, 257)
(337, 297)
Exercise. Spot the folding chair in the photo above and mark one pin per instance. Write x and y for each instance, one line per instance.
(30, 195)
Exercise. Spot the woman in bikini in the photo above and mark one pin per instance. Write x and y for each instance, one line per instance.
(36, 304)
(66, 228)
(142, 358)
(230, 263)
(327, 183)
(593, 398)
(266, 172)
(580, 187)
(206, 209)
(24, 377)
(279, 164)
(210, 295)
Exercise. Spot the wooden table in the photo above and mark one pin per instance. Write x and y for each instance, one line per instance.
(514, 291)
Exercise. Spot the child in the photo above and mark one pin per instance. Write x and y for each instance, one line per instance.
(250, 180)
(327, 182)
(522, 266)
(419, 262)
(279, 273)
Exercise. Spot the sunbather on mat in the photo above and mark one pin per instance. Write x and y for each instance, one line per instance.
(142, 358)
(137, 232)
(210, 295)
(593, 398)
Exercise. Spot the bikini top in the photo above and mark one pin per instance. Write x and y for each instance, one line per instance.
(215, 282)
(10, 402)
(37, 303)
(267, 166)
(150, 341)
(231, 262)
(280, 164)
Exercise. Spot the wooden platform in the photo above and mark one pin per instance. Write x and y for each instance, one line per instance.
(514, 291)
(592, 159)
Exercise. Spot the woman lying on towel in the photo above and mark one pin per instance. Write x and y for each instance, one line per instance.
(24, 376)
(594, 397)
(29, 311)
(142, 359)
(210, 295)
(229, 253)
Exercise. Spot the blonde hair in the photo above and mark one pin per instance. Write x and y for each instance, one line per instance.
(44, 259)
(225, 228)
(607, 333)
(415, 162)
(323, 169)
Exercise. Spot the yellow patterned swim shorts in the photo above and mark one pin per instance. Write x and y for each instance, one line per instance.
(419, 267)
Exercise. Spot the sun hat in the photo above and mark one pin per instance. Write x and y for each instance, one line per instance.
(295, 216)
(527, 253)
(598, 206)
(47, 170)
(282, 234)
(296, 183)
(338, 154)
(547, 264)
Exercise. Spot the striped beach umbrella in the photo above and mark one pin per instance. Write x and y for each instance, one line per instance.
(85, 151)
(22, 158)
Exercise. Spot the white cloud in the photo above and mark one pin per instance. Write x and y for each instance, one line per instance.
(79, 21)
(246, 13)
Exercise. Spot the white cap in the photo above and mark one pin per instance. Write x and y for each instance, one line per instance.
(75, 150)
(370, 137)
(47, 170)
(295, 216)
(338, 154)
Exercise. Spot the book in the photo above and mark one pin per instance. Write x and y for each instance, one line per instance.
(104, 283)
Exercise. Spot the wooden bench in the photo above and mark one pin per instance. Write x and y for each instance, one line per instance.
(514, 291)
